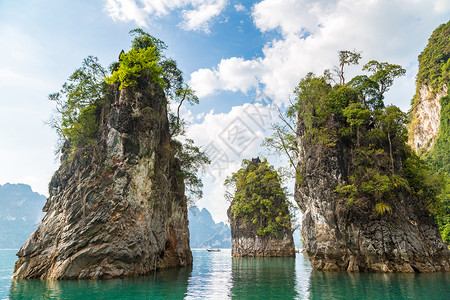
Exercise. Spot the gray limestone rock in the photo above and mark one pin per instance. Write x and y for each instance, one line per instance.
(118, 209)
(337, 237)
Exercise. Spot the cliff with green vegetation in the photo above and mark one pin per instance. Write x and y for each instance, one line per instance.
(259, 213)
(429, 129)
(117, 204)
(367, 199)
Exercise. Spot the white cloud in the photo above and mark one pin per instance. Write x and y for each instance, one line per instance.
(228, 138)
(239, 7)
(290, 16)
(233, 74)
(126, 10)
(199, 19)
(196, 15)
(314, 31)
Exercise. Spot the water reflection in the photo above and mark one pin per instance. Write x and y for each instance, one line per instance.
(302, 276)
(218, 276)
(211, 276)
(263, 278)
(342, 285)
(164, 284)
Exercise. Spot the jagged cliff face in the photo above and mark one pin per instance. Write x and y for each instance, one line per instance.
(426, 118)
(258, 215)
(339, 237)
(118, 209)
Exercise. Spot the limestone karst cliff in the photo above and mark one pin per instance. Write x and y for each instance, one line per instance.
(429, 128)
(337, 236)
(431, 86)
(366, 197)
(118, 208)
(259, 214)
(426, 118)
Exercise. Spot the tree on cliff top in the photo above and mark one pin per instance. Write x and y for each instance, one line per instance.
(80, 102)
(351, 121)
(257, 197)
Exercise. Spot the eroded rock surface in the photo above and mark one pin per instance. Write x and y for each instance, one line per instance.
(337, 237)
(247, 243)
(426, 118)
(118, 209)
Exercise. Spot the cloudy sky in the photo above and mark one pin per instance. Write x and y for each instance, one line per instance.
(241, 57)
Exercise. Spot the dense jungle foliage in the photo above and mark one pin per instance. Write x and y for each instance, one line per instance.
(257, 196)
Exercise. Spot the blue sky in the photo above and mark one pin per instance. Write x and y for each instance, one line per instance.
(230, 51)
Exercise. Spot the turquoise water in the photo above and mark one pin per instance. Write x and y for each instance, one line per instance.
(218, 276)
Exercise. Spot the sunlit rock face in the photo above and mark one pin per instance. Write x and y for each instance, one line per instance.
(426, 117)
(118, 209)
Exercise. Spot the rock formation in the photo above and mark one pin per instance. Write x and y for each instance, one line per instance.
(368, 201)
(431, 86)
(118, 209)
(259, 216)
(426, 119)
(429, 127)
(338, 238)
(349, 234)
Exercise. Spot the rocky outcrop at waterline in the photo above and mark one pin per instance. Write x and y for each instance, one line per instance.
(259, 214)
(357, 218)
(336, 237)
(116, 208)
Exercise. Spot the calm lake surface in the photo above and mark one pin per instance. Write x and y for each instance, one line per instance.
(218, 276)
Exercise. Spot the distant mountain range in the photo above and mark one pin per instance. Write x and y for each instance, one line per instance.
(205, 233)
(20, 214)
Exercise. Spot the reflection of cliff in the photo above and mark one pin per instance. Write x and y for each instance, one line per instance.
(165, 284)
(275, 275)
(211, 277)
(340, 285)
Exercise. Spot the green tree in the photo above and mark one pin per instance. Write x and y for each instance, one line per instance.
(131, 67)
(393, 121)
(356, 116)
(368, 91)
(346, 58)
(81, 100)
(257, 196)
(384, 74)
(369, 138)
(174, 85)
(75, 119)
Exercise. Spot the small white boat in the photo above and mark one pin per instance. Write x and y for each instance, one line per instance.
(213, 250)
